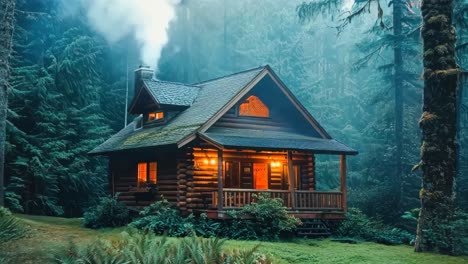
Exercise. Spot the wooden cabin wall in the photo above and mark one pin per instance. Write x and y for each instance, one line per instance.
(232, 120)
(277, 181)
(124, 174)
(307, 173)
(185, 186)
(283, 114)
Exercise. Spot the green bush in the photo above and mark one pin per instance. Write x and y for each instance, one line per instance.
(162, 218)
(10, 228)
(265, 219)
(453, 235)
(460, 233)
(109, 212)
(359, 225)
(146, 247)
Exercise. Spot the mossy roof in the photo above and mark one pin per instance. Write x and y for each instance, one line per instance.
(209, 97)
(169, 93)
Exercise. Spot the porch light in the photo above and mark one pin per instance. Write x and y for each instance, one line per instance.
(213, 162)
(275, 164)
(206, 162)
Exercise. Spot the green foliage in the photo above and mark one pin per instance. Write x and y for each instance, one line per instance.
(453, 234)
(459, 230)
(10, 228)
(164, 219)
(358, 225)
(56, 113)
(264, 219)
(109, 212)
(147, 248)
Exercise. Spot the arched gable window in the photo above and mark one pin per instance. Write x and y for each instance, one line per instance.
(253, 106)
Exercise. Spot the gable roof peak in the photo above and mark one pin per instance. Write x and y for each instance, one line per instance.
(232, 74)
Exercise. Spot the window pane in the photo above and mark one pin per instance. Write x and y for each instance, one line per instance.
(253, 106)
(142, 173)
(155, 116)
(153, 172)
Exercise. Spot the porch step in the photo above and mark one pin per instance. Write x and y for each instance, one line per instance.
(314, 228)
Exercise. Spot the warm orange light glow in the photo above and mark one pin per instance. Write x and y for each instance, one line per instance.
(275, 164)
(142, 173)
(155, 116)
(153, 172)
(205, 161)
(260, 174)
(213, 162)
(253, 106)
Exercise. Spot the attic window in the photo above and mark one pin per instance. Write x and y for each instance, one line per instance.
(253, 106)
(155, 116)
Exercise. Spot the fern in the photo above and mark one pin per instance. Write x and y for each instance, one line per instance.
(10, 227)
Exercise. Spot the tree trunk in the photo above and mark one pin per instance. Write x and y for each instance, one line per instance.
(7, 11)
(438, 124)
(398, 6)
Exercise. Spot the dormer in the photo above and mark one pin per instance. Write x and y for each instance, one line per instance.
(159, 101)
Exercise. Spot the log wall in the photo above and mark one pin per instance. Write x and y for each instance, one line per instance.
(123, 175)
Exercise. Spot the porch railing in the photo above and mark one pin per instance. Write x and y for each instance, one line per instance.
(305, 200)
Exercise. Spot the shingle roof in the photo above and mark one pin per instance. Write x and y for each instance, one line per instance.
(278, 140)
(211, 97)
(169, 93)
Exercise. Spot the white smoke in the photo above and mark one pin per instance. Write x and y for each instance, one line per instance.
(147, 20)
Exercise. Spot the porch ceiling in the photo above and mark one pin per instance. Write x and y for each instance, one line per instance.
(273, 140)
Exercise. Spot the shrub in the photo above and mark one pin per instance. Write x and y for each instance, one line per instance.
(265, 219)
(162, 218)
(460, 233)
(358, 225)
(457, 230)
(10, 228)
(109, 212)
(146, 247)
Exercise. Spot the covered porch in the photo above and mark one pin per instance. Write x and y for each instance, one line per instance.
(304, 203)
(244, 171)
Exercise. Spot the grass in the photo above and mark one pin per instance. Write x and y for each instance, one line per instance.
(49, 233)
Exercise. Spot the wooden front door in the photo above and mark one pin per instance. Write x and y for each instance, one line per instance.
(260, 175)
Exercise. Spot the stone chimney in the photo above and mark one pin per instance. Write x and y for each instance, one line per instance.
(141, 74)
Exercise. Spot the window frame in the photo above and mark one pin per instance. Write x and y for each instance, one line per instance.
(148, 171)
(155, 121)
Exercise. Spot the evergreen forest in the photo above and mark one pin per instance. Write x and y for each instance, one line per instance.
(367, 70)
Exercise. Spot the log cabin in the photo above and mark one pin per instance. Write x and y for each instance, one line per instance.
(210, 146)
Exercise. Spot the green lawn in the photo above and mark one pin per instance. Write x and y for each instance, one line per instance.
(49, 233)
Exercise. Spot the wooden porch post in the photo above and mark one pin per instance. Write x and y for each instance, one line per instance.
(343, 181)
(220, 179)
(292, 180)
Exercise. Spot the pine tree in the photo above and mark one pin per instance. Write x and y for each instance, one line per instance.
(7, 11)
(64, 102)
(438, 124)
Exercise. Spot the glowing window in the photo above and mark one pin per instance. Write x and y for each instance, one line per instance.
(155, 116)
(153, 178)
(142, 173)
(147, 173)
(253, 106)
